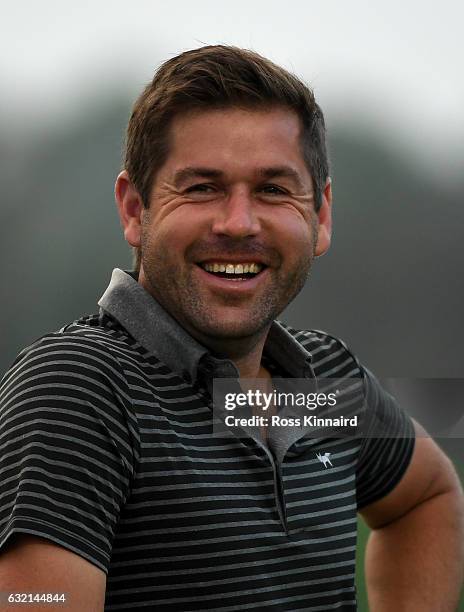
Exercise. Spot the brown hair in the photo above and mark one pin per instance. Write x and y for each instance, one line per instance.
(215, 77)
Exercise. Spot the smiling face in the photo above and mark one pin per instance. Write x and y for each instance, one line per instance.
(230, 232)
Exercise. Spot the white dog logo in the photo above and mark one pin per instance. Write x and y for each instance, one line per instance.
(324, 459)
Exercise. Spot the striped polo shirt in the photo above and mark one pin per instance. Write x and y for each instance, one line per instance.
(107, 449)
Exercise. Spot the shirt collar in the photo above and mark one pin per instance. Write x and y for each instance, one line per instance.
(157, 331)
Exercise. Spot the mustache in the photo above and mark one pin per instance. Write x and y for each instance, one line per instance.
(228, 248)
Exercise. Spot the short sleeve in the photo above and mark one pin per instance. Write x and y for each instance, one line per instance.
(66, 457)
(387, 444)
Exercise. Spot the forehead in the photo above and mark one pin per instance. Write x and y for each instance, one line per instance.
(236, 140)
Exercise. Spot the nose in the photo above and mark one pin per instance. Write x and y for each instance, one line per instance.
(236, 217)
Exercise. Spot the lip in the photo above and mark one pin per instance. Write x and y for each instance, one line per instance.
(225, 285)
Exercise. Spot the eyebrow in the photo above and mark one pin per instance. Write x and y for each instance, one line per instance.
(188, 173)
(185, 174)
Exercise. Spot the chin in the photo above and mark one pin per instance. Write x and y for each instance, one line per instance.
(233, 328)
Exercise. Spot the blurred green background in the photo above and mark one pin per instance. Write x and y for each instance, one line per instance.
(391, 285)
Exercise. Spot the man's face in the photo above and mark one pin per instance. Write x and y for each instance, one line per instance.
(230, 232)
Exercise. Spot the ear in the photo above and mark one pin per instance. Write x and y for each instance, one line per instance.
(324, 215)
(130, 208)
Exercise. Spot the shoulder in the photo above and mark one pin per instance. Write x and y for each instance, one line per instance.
(83, 347)
(74, 368)
(71, 377)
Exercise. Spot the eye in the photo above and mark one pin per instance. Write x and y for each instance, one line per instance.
(273, 190)
(200, 188)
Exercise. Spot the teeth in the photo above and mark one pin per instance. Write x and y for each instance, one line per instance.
(230, 268)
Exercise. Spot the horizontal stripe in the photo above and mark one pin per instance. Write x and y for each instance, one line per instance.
(108, 452)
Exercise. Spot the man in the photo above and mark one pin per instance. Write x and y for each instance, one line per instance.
(117, 491)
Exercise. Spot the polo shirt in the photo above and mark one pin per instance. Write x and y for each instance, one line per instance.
(107, 449)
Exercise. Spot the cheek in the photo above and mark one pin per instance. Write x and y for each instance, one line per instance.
(294, 233)
(170, 236)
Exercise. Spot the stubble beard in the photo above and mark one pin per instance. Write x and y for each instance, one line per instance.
(183, 296)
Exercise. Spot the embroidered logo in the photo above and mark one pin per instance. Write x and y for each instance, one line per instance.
(324, 459)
